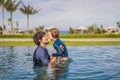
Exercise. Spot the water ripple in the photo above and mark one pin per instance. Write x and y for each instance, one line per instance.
(88, 63)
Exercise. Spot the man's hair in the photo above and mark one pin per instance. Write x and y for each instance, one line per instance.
(54, 32)
(38, 36)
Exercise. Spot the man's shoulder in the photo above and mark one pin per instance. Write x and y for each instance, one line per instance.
(39, 49)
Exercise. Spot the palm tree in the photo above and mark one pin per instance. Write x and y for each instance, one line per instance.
(2, 4)
(102, 29)
(11, 6)
(28, 10)
(71, 31)
(92, 29)
(0, 30)
(118, 24)
(40, 28)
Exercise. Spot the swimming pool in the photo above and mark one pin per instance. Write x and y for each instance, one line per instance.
(88, 63)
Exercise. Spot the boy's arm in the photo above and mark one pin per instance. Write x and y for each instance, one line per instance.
(52, 60)
(59, 51)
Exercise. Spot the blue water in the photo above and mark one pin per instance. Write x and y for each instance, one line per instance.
(64, 32)
(88, 63)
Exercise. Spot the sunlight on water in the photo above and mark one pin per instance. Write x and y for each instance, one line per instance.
(88, 63)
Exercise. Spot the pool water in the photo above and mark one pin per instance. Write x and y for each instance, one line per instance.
(88, 63)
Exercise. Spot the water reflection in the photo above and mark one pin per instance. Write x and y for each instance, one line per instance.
(50, 73)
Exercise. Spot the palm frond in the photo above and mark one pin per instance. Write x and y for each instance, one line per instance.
(15, 5)
(2, 2)
(28, 10)
(12, 6)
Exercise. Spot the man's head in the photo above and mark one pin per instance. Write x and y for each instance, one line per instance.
(53, 33)
(40, 37)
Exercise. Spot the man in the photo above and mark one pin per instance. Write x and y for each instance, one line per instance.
(41, 56)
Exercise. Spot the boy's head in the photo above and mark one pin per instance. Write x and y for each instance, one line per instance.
(40, 37)
(53, 33)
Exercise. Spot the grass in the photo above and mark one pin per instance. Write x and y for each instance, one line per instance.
(72, 43)
(16, 36)
(92, 43)
(68, 36)
(90, 36)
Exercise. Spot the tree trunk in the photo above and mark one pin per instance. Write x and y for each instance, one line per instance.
(3, 20)
(27, 24)
(11, 23)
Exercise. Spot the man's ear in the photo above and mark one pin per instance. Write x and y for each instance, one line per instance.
(39, 40)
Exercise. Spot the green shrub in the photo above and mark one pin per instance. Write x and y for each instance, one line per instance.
(90, 36)
(68, 36)
(16, 36)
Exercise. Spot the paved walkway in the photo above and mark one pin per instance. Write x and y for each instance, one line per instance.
(67, 39)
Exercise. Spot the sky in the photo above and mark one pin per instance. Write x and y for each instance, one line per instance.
(65, 13)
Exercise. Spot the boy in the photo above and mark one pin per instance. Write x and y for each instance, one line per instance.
(59, 46)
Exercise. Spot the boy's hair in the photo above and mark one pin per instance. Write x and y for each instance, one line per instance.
(54, 32)
(38, 36)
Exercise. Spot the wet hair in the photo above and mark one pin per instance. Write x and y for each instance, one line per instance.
(54, 32)
(38, 36)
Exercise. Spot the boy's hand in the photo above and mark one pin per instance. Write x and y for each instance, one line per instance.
(50, 57)
(61, 47)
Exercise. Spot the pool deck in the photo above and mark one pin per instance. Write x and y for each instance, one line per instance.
(65, 39)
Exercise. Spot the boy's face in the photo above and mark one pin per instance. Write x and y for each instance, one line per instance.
(44, 40)
(50, 36)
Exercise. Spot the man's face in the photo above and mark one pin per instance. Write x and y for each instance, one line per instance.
(44, 40)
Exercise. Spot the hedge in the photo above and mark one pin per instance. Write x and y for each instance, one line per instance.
(68, 36)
